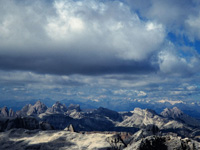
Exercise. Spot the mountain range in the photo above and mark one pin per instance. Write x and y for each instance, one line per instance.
(190, 108)
(69, 126)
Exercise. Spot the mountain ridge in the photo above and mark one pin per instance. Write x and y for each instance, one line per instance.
(127, 130)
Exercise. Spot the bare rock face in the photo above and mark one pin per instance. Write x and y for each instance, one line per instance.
(170, 141)
(108, 113)
(58, 121)
(153, 143)
(36, 109)
(149, 130)
(70, 128)
(20, 122)
(176, 142)
(24, 110)
(22, 139)
(57, 108)
(167, 142)
(45, 126)
(74, 107)
(116, 142)
(74, 114)
(11, 113)
(153, 129)
(32, 110)
(4, 112)
(29, 123)
(173, 113)
(74, 111)
(143, 117)
(177, 114)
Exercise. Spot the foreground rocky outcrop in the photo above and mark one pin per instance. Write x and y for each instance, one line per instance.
(30, 123)
(20, 139)
(116, 142)
(167, 142)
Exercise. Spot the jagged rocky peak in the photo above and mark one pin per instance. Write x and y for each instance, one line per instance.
(37, 108)
(58, 108)
(143, 112)
(74, 107)
(74, 111)
(146, 131)
(143, 117)
(26, 108)
(11, 113)
(173, 113)
(109, 113)
(70, 128)
(177, 114)
(4, 112)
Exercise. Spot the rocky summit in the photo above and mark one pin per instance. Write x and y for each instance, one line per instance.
(177, 114)
(60, 127)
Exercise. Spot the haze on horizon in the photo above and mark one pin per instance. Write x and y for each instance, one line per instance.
(100, 50)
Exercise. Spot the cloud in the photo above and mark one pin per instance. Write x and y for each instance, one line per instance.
(61, 48)
(22, 24)
(121, 33)
(67, 37)
(92, 37)
(179, 17)
(171, 13)
(129, 93)
(27, 85)
(19, 78)
(192, 25)
(171, 61)
(192, 88)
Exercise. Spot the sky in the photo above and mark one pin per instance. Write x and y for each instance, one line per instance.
(100, 50)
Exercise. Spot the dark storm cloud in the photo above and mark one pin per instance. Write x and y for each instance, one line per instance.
(115, 47)
(70, 64)
(94, 37)
(77, 37)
